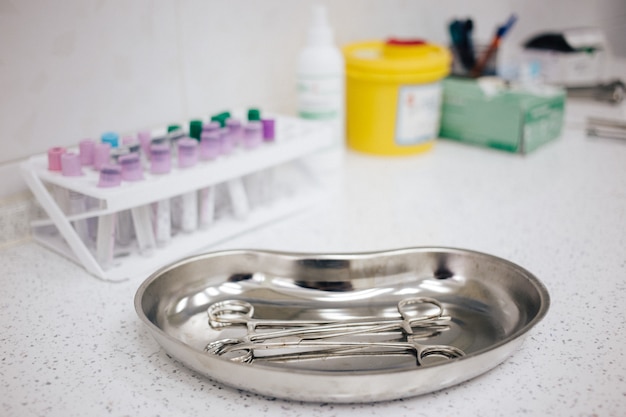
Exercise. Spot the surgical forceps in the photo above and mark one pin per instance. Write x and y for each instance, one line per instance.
(307, 334)
(244, 351)
(238, 312)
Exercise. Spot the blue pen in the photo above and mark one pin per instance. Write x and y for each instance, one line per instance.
(495, 43)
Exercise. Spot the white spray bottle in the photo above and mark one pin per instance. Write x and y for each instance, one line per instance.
(320, 76)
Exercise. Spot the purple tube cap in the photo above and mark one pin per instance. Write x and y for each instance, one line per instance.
(160, 158)
(86, 149)
(110, 176)
(131, 167)
(101, 156)
(54, 158)
(253, 135)
(268, 130)
(211, 126)
(233, 123)
(70, 165)
(187, 152)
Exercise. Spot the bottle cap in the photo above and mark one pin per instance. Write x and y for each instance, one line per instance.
(320, 33)
(133, 147)
(85, 150)
(128, 140)
(208, 127)
(235, 130)
(110, 176)
(225, 140)
(254, 114)
(195, 129)
(101, 155)
(173, 127)
(54, 158)
(175, 135)
(117, 153)
(187, 152)
(233, 124)
(131, 167)
(210, 144)
(159, 139)
(111, 138)
(70, 165)
(253, 134)
(160, 158)
(268, 130)
(221, 118)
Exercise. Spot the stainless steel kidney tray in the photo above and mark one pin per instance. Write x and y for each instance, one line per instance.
(491, 303)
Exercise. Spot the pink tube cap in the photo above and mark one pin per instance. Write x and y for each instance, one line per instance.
(86, 149)
(54, 158)
(70, 165)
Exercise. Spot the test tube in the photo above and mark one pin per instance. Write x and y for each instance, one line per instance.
(141, 217)
(75, 201)
(101, 156)
(86, 151)
(235, 131)
(160, 164)
(211, 126)
(112, 138)
(253, 134)
(210, 145)
(187, 158)
(54, 165)
(195, 129)
(110, 176)
(258, 183)
(238, 198)
(144, 137)
(226, 141)
(269, 133)
(210, 148)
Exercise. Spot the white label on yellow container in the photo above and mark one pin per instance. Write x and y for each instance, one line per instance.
(418, 113)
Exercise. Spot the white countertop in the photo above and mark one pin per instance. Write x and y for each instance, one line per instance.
(73, 345)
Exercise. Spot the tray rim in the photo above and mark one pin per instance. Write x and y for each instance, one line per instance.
(516, 338)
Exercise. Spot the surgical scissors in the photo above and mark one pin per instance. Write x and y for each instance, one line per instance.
(238, 312)
(308, 334)
(245, 352)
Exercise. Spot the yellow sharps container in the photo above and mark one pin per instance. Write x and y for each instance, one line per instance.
(393, 95)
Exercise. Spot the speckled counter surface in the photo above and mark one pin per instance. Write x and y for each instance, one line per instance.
(71, 345)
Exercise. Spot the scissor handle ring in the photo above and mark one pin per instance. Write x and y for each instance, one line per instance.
(441, 351)
(229, 312)
(404, 303)
(226, 347)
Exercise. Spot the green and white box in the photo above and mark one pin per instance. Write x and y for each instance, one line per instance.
(489, 112)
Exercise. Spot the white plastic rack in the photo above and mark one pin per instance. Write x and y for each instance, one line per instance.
(292, 185)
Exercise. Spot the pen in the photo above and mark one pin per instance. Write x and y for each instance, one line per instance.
(502, 30)
(461, 34)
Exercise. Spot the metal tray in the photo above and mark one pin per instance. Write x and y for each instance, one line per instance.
(493, 303)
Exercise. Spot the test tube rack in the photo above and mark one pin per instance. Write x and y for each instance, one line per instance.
(295, 140)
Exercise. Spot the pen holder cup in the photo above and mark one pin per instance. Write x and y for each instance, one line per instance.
(462, 60)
